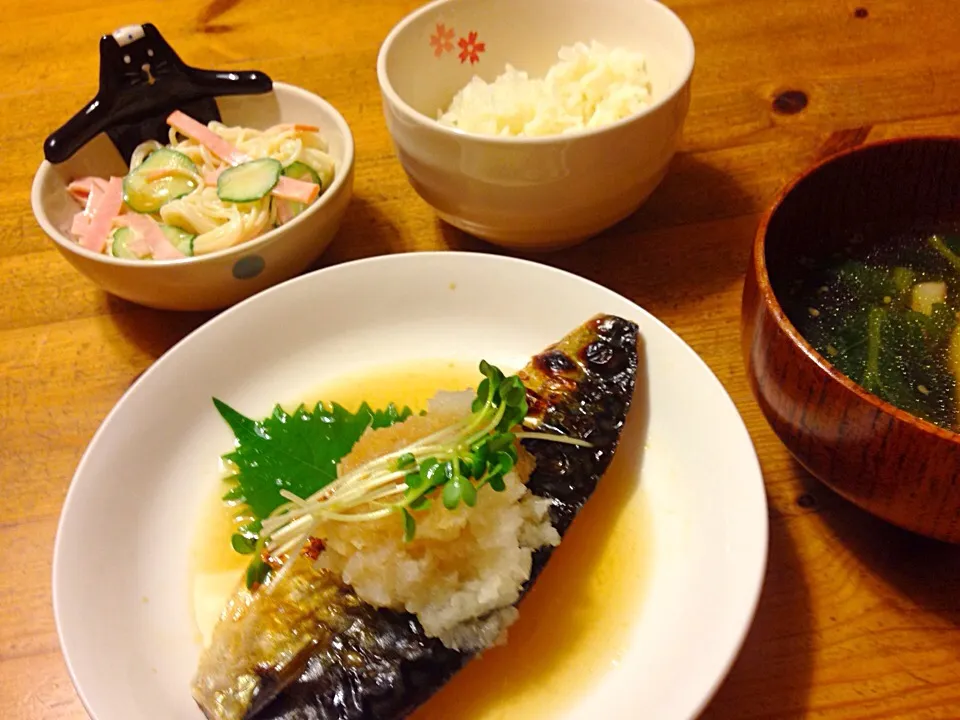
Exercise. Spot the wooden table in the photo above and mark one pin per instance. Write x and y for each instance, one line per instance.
(857, 619)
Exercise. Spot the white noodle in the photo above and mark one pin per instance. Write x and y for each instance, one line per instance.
(220, 224)
(141, 152)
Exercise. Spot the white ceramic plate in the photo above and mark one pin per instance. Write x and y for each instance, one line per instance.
(120, 571)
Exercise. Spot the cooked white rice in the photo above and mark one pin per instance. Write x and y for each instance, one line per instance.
(463, 571)
(589, 87)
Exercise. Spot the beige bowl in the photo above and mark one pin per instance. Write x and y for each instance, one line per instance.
(531, 193)
(225, 277)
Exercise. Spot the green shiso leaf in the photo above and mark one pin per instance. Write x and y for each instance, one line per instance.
(297, 452)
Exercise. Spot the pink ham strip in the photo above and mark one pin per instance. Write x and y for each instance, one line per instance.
(297, 190)
(183, 123)
(147, 228)
(94, 199)
(95, 236)
(80, 225)
(286, 188)
(89, 191)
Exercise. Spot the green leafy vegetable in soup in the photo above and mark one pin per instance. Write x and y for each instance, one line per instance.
(888, 319)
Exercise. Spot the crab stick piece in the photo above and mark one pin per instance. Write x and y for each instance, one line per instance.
(297, 127)
(82, 188)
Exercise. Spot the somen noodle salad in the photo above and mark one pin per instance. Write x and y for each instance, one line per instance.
(211, 187)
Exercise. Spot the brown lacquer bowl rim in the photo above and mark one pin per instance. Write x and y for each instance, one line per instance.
(770, 300)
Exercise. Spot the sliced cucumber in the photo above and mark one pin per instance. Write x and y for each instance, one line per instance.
(180, 238)
(301, 171)
(287, 210)
(249, 181)
(146, 195)
(120, 247)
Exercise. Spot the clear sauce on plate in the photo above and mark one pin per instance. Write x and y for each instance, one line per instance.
(575, 623)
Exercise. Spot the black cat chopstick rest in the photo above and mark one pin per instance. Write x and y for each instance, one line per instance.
(142, 80)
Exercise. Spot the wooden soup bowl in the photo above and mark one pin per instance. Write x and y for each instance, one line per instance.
(885, 460)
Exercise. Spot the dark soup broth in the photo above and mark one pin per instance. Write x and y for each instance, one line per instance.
(885, 314)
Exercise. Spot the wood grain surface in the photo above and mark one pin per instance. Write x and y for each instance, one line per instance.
(857, 619)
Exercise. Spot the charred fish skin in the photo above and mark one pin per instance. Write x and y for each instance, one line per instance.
(581, 387)
(382, 665)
